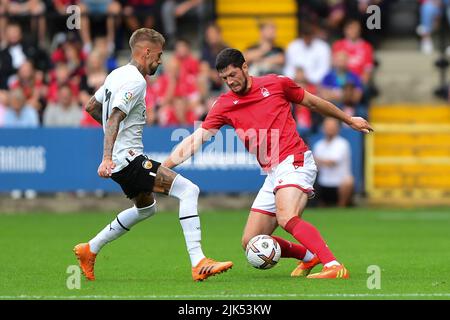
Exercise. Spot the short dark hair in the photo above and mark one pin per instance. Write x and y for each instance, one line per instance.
(352, 21)
(229, 56)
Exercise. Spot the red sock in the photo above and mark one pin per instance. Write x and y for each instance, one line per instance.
(309, 236)
(290, 250)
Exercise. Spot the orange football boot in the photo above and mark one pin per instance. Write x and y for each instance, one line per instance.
(333, 272)
(86, 258)
(304, 268)
(209, 267)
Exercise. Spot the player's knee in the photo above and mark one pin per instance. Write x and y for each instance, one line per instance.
(283, 219)
(195, 190)
(147, 212)
(192, 190)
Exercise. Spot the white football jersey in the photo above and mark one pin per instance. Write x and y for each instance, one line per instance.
(125, 88)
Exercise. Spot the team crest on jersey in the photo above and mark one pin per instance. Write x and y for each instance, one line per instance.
(265, 93)
(147, 164)
(128, 95)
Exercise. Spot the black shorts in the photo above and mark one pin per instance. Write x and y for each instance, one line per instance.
(137, 177)
(328, 195)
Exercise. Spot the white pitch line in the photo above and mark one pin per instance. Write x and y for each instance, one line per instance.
(234, 296)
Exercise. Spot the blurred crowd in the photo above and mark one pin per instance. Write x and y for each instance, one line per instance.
(432, 12)
(46, 82)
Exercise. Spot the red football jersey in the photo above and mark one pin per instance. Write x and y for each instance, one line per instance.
(360, 55)
(262, 118)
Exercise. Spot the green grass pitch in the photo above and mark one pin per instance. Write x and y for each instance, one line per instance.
(411, 247)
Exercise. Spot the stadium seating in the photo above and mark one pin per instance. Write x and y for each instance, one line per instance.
(239, 20)
(409, 154)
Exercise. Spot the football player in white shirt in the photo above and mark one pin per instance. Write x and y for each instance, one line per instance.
(119, 105)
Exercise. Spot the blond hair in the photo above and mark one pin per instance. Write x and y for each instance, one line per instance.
(146, 34)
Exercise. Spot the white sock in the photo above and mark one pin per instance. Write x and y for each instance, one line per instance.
(308, 256)
(332, 263)
(123, 222)
(187, 193)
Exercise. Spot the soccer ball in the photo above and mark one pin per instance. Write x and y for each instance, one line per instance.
(263, 252)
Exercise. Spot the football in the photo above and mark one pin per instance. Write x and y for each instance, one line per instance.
(263, 252)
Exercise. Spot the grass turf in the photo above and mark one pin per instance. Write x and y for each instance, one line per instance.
(410, 246)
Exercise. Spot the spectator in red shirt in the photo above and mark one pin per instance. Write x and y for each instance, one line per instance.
(178, 87)
(302, 114)
(360, 52)
(69, 52)
(59, 77)
(88, 121)
(31, 82)
(151, 100)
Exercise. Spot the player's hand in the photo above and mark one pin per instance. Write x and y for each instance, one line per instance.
(105, 168)
(360, 124)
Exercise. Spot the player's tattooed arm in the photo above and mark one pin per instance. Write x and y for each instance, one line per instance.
(94, 108)
(111, 131)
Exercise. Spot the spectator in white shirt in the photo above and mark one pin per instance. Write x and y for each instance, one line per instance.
(309, 53)
(64, 113)
(19, 114)
(333, 158)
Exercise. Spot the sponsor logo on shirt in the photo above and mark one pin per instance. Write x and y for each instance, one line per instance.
(235, 101)
(147, 164)
(127, 96)
(265, 93)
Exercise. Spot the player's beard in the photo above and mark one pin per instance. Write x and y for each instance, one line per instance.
(243, 88)
(152, 70)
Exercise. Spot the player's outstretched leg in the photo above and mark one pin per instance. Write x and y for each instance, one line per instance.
(289, 202)
(307, 260)
(307, 234)
(187, 192)
(87, 252)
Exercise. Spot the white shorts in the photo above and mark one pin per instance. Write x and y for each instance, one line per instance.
(299, 172)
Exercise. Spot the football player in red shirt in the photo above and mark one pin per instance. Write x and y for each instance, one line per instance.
(259, 109)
